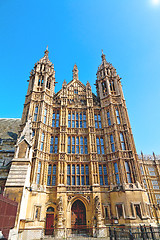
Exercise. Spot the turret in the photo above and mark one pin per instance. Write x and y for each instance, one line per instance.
(43, 76)
(41, 81)
(107, 79)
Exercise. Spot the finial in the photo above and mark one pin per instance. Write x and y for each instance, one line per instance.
(64, 83)
(75, 66)
(46, 51)
(103, 56)
(75, 71)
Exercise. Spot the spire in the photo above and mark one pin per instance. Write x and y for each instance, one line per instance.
(103, 56)
(45, 58)
(46, 52)
(75, 72)
(64, 83)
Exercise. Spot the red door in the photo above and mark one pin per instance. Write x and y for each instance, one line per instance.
(49, 224)
(78, 211)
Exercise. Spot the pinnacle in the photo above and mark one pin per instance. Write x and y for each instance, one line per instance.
(75, 72)
(46, 51)
(75, 67)
(103, 56)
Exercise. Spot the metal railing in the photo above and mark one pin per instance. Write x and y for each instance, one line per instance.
(135, 233)
(109, 232)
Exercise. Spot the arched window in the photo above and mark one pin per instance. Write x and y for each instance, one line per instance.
(77, 145)
(45, 115)
(54, 144)
(104, 87)
(38, 173)
(35, 113)
(97, 118)
(122, 141)
(77, 174)
(100, 145)
(51, 179)
(116, 173)
(50, 209)
(108, 118)
(42, 142)
(118, 117)
(112, 143)
(55, 119)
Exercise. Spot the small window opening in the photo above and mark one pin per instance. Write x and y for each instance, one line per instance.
(120, 211)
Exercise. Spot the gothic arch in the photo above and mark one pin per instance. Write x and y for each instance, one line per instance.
(82, 199)
(78, 214)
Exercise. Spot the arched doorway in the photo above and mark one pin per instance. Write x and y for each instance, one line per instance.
(49, 221)
(78, 215)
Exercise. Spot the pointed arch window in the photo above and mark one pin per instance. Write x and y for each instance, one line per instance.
(112, 143)
(97, 118)
(73, 175)
(55, 119)
(108, 118)
(48, 84)
(38, 173)
(118, 117)
(73, 120)
(112, 87)
(45, 116)
(51, 178)
(68, 174)
(104, 87)
(69, 144)
(116, 173)
(103, 174)
(42, 142)
(81, 145)
(73, 144)
(80, 115)
(85, 146)
(35, 113)
(77, 145)
(128, 172)
(100, 145)
(54, 144)
(122, 141)
(77, 119)
(84, 120)
(77, 174)
(69, 119)
(40, 81)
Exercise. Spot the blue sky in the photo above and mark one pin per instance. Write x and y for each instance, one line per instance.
(128, 31)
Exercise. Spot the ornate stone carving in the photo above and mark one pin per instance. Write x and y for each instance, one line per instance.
(62, 156)
(60, 204)
(70, 198)
(97, 203)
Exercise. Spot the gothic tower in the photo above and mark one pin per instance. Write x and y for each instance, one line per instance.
(79, 165)
(127, 196)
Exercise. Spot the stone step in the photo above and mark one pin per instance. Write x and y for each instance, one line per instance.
(72, 238)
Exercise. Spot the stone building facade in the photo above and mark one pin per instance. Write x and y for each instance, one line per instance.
(9, 128)
(75, 164)
(150, 170)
